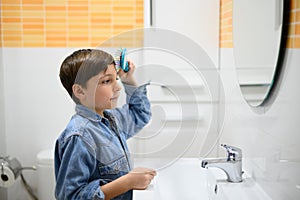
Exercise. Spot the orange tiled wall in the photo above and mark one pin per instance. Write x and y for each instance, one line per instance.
(66, 23)
(76, 23)
(226, 24)
(294, 26)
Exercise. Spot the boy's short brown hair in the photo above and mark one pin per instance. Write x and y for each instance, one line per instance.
(82, 65)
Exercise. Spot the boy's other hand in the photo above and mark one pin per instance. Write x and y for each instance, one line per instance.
(140, 178)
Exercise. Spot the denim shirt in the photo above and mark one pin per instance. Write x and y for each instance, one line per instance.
(92, 150)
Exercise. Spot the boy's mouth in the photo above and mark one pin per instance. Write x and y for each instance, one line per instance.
(114, 98)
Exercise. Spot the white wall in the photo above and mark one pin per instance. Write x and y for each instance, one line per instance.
(271, 140)
(196, 19)
(2, 122)
(36, 107)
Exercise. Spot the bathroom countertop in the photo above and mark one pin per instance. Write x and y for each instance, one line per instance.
(183, 179)
(186, 179)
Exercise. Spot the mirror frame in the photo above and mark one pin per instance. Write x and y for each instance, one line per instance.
(271, 92)
(278, 73)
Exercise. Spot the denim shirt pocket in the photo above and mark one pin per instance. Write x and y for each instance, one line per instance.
(114, 170)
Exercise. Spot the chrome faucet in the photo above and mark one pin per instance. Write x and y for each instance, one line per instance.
(232, 165)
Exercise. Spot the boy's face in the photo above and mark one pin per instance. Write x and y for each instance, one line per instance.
(102, 91)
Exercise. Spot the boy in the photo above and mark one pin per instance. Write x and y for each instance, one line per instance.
(91, 155)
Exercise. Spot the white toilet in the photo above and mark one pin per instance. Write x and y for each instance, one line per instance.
(45, 172)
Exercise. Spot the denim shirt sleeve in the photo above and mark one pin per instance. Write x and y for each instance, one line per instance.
(136, 113)
(73, 181)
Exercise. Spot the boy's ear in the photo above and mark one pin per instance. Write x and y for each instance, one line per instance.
(78, 91)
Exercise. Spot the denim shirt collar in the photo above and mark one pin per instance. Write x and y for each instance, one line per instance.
(92, 115)
(87, 113)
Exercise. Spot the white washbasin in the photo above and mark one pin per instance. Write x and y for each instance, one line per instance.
(186, 179)
(183, 179)
(246, 190)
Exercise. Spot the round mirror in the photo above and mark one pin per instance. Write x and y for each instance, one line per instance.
(257, 40)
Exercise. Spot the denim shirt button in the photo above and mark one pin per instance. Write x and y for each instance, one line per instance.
(117, 168)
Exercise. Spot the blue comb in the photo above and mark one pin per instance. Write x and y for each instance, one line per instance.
(121, 60)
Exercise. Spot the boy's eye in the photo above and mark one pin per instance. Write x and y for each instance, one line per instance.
(106, 81)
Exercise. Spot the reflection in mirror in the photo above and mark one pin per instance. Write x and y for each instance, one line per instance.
(257, 34)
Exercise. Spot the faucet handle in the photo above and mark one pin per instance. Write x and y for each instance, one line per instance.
(233, 153)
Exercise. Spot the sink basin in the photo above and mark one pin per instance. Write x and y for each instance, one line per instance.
(186, 179)
(183, 179)
(246, 190)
